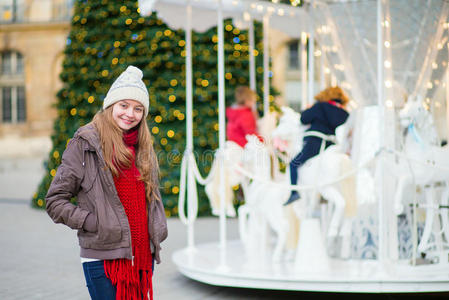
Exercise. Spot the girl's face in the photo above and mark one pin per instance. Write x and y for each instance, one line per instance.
(250, 101)
(127, 114)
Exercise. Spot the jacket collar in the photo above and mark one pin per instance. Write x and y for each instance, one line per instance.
(90, 134)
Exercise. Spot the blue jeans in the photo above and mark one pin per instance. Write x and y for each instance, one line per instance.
(100, 287)
(311, 148)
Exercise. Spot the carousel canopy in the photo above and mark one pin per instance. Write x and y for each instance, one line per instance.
(286, 18)
(414, 36)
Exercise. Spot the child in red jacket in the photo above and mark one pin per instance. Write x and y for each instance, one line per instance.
(242, 116)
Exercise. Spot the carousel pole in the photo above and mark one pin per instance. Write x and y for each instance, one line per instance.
(252, 59)
(311, 57)
(189, 130)
(380, 102)
(266, 64)
(322, 70)
(303, 51)
(334, 81)
(447, 94)
(391, 245)
(222, 131)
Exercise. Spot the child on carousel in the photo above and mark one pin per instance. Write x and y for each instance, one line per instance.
(323, 117)
(242, 116)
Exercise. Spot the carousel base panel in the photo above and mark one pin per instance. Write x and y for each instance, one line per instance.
(208, 264)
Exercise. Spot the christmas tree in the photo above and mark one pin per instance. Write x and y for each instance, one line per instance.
(105, 37)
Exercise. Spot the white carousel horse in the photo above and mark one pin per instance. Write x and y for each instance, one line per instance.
(232, 177)
(264, 198)
(232, 154)
(426, 164)
(329, 166)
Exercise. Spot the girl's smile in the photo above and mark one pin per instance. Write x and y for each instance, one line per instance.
(127, 114)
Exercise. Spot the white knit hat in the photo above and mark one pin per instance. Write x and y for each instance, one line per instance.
(128, 85)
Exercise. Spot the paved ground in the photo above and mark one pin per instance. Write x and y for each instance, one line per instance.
(19, 178)
(40, 260)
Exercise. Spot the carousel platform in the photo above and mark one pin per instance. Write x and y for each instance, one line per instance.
(206, 263)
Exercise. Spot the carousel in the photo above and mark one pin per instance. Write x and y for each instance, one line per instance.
(374, 209)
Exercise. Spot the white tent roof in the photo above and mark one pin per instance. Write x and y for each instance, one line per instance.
(346, 33)
(413, 37)
(286, 18)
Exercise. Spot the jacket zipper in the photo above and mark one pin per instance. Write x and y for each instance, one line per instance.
(131, 246)
(130, 239)
(132, 256)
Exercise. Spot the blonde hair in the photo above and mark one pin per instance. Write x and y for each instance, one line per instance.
(117, 155)
(242, 93)
(332, 93)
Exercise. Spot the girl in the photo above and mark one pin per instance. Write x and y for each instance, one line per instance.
(242, 116)
(111, 167)
(324, 117)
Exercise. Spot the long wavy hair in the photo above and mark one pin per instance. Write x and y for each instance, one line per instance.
(117, 155)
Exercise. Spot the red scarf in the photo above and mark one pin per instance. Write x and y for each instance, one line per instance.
(335, 103)
(133, 277)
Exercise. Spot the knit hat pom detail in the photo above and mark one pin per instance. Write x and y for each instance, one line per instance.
(128, 86)
(134, 71)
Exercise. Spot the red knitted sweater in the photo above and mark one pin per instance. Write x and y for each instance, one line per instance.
(133, 277)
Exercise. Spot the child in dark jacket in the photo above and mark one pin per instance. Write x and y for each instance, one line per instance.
(241, 116)
(324, 117)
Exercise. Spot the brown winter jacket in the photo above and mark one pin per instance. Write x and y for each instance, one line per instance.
(99, 217)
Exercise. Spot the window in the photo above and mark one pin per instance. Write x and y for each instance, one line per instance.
(30, 11)
(12, 88)
(293, 55)
(12, 63)
(12, 11)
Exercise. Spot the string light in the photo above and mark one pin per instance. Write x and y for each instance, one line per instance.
(346, 85)
(304, 37)
(339, 67)
(246, 16)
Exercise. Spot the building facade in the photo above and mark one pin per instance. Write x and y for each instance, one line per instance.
(33, 34)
